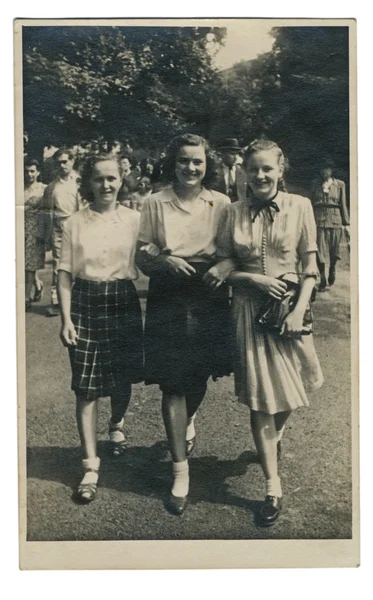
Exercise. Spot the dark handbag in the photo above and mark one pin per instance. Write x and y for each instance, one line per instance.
(273, 313)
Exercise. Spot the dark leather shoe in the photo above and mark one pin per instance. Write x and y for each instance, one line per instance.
(331, 278)
(177, 505)
(189, 446)
(270, 511)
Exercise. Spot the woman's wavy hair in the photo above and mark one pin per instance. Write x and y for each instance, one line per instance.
(89, 164)
(264, 145)
(189, 139)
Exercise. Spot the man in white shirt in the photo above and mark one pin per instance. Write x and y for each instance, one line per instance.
(62, 198)
(231, 176)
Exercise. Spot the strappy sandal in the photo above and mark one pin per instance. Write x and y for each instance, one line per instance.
(86, 492)
(117, 440)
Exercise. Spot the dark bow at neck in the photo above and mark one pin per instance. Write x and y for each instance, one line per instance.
(264, 205)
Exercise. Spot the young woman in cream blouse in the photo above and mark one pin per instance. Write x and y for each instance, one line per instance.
(100, 310)
(187, 323)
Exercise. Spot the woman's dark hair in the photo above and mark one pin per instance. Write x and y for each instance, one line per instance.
(32, 162)
(62, 151)
(87, 172)
(189, 139)
(263, 145)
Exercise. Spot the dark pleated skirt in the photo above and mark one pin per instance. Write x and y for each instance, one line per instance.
(187, 331)
(109, 351)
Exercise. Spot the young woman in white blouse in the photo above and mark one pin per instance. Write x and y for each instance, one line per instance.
(187, 323)
(100, 309)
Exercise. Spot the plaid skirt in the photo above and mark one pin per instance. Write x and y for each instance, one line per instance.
(109, 351)
(187, 332)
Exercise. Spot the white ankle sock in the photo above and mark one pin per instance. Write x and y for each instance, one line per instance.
(180, 471)
(90, 463)
(273, 487)
(190, 432)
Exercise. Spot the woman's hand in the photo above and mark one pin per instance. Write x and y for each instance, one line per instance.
(270, 285)
(68, 334)
(179, 266)
(151, 250)
(214, 277)
(293, 324)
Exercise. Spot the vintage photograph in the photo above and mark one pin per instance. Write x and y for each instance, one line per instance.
(187, 323)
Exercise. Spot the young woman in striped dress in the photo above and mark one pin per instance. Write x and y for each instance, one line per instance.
(100, 309)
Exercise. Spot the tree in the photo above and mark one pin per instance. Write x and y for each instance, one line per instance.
(296, 94)
(146, 83)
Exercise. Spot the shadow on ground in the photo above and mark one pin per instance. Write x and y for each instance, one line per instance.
(145, 471)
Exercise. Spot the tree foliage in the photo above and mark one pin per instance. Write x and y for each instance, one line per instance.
(149, 83)
(145, 83)
(297, 94)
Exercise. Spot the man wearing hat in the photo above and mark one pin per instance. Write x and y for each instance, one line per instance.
(231, 176)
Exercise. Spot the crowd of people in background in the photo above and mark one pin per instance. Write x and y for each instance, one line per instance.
(52, 195)
(210, 220)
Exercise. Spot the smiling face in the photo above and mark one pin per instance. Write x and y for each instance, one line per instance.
(190, 166)
(31, 174)
(263, 172)
(105, 183)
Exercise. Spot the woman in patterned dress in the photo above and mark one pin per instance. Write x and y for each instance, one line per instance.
(100, 309)
(270, 234)
(34, 246)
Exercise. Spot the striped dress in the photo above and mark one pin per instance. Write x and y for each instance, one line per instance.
(272, 372)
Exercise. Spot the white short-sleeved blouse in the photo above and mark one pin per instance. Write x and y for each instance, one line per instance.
(173, 228)
(100, 247)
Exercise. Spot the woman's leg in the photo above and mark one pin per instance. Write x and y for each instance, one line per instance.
(280, 420)
(193, 401)
(175, 419)
(174, 412)
(86, 417)
(265, 438)
(119, 403)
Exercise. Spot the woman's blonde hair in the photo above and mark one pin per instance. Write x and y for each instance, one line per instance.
(263, 145)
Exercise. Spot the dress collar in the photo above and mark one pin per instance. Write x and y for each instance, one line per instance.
(119, 214)
(169, 196)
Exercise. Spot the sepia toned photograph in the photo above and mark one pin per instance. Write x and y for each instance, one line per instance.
(187, 303)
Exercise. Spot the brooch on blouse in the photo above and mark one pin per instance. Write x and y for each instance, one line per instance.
(211, 203)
